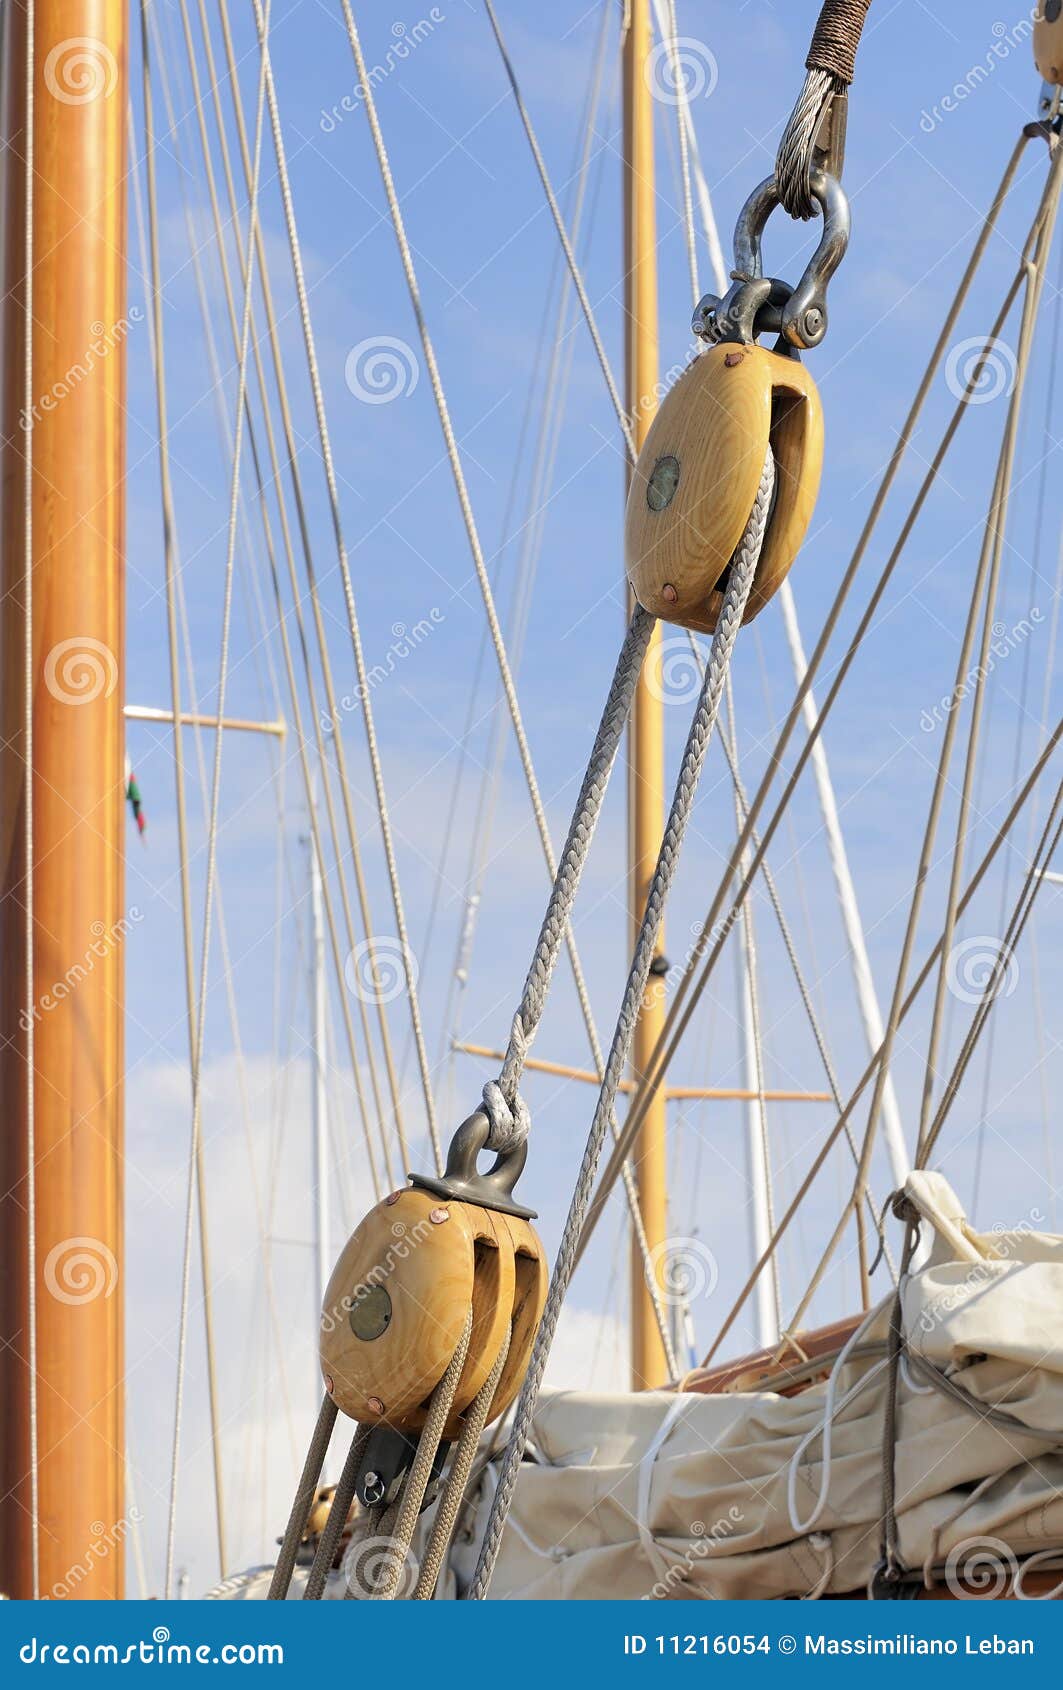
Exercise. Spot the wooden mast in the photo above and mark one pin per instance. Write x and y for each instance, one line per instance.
(646, 742)
(63, 1439)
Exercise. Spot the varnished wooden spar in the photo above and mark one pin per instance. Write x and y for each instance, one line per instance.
(76, 406)
(646, 777)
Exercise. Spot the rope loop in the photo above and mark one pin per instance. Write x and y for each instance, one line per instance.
(510, 1119)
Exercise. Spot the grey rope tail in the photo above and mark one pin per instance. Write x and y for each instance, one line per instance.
(503, 1105)
(743, 569)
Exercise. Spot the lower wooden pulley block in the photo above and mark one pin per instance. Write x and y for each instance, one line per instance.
(697, 476)
(1048, 41)
(396, 1305)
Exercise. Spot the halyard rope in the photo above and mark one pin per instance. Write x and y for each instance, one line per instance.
(505, 1109)
(743, 569)
(476, 551)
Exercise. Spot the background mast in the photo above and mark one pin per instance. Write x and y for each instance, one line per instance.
(646, 796)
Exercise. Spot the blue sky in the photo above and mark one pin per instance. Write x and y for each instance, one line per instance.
(935, 110)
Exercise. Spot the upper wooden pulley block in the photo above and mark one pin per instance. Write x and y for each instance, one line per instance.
(397, 1302)
(697, 476)
(1048, 41)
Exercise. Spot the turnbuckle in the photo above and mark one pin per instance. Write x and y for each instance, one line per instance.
(756, 304)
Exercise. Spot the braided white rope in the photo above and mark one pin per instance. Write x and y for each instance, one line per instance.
(505, 1109)
(742, 572)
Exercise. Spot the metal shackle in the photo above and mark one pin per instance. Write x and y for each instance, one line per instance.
(758, 304)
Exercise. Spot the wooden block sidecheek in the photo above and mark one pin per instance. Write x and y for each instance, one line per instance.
(797, 446)
(531, 1281)
(1048, 47)
(493, 1292)
(420, 1276)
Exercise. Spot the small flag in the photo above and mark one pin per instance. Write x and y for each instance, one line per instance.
(132, 792)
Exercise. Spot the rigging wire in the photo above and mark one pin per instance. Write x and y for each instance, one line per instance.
(325, 440)
(739, 582)
(533, 529)
(549, 415)
(212, 834)
(920, 980)
(1035, 569)
(291, 446)
(228, 972)
(260, 484)
(712, 929)
(986, 581)
(406, 256)
(170, 564)
(712, 241)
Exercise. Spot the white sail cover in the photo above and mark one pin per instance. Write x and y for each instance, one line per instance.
(658, 1495)
(663, 1495)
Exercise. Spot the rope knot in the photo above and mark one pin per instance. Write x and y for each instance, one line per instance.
(510, 1122)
